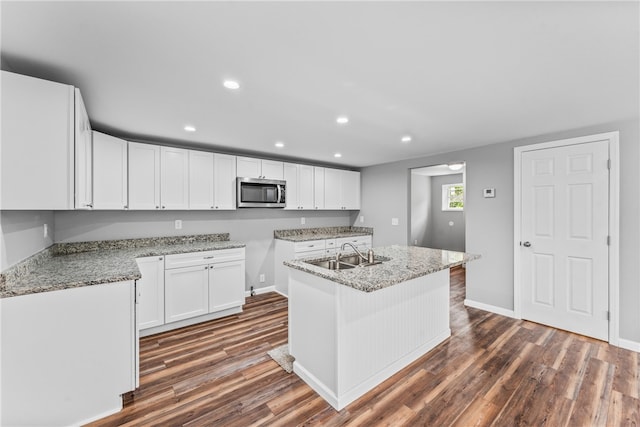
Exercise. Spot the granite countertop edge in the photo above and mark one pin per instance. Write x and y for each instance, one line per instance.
(393, 272)
(55, 268)
(321, 233)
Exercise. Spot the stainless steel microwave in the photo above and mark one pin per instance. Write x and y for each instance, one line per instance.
(260, 193)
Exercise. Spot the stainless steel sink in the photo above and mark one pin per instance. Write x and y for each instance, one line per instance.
(347, 262)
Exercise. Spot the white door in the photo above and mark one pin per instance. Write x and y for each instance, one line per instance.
(226, 285)
(109, 172)
(564, 228)
(332, 189)
(351, 189)
(144, 176)
(186, 292)
(174, 170)
(200, 180)
(248, 167)
(224, 186)
(272, 169)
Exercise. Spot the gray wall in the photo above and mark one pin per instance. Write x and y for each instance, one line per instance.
(489, 222)
(440, 234)
(420, 209)
(22, 235)
(251, 226)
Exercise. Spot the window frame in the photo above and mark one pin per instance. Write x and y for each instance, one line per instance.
(446, 200)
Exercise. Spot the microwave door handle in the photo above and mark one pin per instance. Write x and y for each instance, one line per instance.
(279, 193)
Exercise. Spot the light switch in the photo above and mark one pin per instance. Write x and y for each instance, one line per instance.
(489, 193)
(178, 224)
(394, 221)
(303, 221)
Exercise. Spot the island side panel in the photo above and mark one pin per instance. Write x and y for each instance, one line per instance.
(312, 331)
(67, 355)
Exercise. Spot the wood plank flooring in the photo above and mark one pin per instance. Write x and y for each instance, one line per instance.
(493, 371)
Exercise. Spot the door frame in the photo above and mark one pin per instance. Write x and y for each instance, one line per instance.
(614, 223)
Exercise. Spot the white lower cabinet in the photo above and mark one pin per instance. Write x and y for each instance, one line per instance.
(151, 292)
(186, 293)
(226, 285)
(182, 289)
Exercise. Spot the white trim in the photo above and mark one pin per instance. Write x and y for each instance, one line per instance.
(261, 291)
(614, 223)
(339, 402)
(190, 321)
(101, 415)
(629, 345)
(490, 308)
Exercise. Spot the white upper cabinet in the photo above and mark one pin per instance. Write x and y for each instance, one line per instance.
(144, 176)
(224, 182)
(300, 188)
(257, 168)
(201, 180)
(37, 165)
(83, 155)
(174, 182)
(110, 184)
(341, 189)
(318, 188)
(351, 190)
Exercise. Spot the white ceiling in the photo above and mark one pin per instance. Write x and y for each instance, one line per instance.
(451, 74)
(437, 170)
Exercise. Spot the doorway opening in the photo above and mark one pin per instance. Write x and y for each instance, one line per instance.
(437, 197)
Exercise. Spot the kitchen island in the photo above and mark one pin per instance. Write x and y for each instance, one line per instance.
(351, 329)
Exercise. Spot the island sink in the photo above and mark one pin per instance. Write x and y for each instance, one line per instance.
(346, 262)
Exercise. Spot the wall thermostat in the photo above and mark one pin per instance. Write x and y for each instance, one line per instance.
(489, 193)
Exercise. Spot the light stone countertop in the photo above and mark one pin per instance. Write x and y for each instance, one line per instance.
(405, 263)
(67, 266)
(321, 233)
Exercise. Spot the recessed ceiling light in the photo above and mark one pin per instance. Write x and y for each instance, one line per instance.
(231, 84)
(455, 166)
(190, 128)
(342, 120)
(406, 138)
(337, 155)
(279, 144)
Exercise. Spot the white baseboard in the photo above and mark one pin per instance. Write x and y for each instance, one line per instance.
(259, 291)
(629, 345)
(491, 308)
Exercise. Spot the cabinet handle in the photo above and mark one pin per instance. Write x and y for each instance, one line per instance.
(206, 267)
(208, 257)
(89, 205)
(126, 207)
(160, 259)
(216, 207)
(212, 207)
(164, 207)
(157, 207)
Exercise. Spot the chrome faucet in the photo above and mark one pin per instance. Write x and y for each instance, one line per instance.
(369, 258)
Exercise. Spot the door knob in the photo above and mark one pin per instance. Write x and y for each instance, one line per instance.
(526, 244)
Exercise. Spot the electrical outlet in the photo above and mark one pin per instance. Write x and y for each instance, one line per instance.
(415, 242)
(303, 221)
(262, 279)
(361, 218)
(46, 230)
(394, 221)
(178, 224)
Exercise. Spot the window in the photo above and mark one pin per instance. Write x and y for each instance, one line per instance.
(452, 197)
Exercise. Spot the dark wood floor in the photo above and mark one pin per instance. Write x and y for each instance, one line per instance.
(492, 371)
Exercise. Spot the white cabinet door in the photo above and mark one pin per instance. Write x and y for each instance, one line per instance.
(186, 292)
(109, 172)
(37, 165)
(174, 183)
(305, 187)
(144, 176)
(272, 169)
(226, 285)
(248, 167)
(150, 292)
(200, 180)
(83, 155)
(224, 187)
(257, 168)
(318, 188)
(291, 177)
(351, 190)
(332, 188)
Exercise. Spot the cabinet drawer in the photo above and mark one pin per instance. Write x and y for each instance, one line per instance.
(311, 254)
(203, 258)
(359, 241)
(311, 245)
